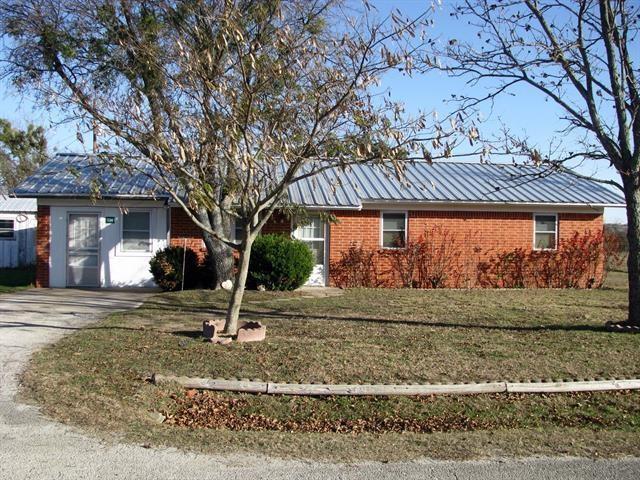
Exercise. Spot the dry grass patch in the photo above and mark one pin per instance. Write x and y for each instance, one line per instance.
(385, 336)
(96, 377)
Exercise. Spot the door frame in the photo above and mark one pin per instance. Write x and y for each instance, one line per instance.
(325, 256)
(66, 250)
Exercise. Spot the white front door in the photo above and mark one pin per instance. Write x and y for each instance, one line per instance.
(314, 234)
(83, 245)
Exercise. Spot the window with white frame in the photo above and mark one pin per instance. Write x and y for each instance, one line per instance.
(545, 231)
(136, 232)
(394, 229)
(6, 229)
(313, 235)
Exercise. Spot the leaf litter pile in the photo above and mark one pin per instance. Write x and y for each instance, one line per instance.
(203, 410)
(333, 415)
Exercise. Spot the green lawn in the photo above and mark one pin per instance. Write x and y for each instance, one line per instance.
(14, 279)
(96, 377)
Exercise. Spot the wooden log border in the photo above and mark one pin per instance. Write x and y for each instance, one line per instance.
(472, 388)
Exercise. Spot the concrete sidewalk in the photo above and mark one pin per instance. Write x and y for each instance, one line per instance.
(35, 447)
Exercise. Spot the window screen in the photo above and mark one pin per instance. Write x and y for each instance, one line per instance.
(313, 235)
(136, 233)
(545, 232)
(6, 229)
(394, 234)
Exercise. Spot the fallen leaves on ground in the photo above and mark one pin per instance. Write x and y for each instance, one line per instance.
(204, 410)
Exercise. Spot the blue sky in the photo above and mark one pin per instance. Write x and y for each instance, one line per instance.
(525, 112)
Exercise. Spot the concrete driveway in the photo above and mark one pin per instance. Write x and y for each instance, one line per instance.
(34, 447)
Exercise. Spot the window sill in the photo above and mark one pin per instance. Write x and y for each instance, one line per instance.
(121, 253)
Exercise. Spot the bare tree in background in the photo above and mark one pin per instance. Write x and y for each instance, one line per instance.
(580, 55)
(231, 101)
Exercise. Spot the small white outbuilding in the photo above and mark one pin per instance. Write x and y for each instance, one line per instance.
(17, 231)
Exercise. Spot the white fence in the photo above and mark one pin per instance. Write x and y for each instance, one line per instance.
(17, 239)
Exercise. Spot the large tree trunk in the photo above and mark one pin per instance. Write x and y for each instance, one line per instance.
(220, 255)
(233, 311)
(632, 196)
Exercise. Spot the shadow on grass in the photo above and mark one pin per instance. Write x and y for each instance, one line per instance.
(253, 314)
(278, 314)
(193, 334)
(13, 324)
(153, 306)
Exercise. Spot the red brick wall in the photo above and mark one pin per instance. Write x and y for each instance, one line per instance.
(503, 230)
(278, 223)
(499, 230)
(43, 245)
(568, 223)
(491, 231)
(362, 227)
(183, 228)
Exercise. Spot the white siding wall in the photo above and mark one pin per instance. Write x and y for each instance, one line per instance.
(117, 268)
(21, 250)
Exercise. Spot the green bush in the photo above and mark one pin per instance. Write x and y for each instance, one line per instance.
(166, 268)
(279, 263)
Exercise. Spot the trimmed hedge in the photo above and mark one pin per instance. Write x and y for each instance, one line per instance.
(166, 268)
(279, 263)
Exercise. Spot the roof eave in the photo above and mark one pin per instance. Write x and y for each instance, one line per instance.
(86, 196)
(493, 203)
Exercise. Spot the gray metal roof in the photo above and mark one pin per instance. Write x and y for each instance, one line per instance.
(353, 187)
(18, 205)
(450, 182)
(70, 175)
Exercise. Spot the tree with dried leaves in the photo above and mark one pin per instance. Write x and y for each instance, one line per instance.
(231, 101)
(579, 54)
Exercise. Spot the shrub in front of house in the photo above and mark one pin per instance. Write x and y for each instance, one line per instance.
(437, 260)
(166, 266)
(279, 263)
(576, 263)
(434, 260)
(357, 267)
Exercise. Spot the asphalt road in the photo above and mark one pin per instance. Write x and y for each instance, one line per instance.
(35, 447)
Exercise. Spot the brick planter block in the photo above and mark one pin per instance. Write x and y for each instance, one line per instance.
(211, 328)
(251, 332)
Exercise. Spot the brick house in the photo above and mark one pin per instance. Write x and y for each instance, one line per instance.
(108, 242)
